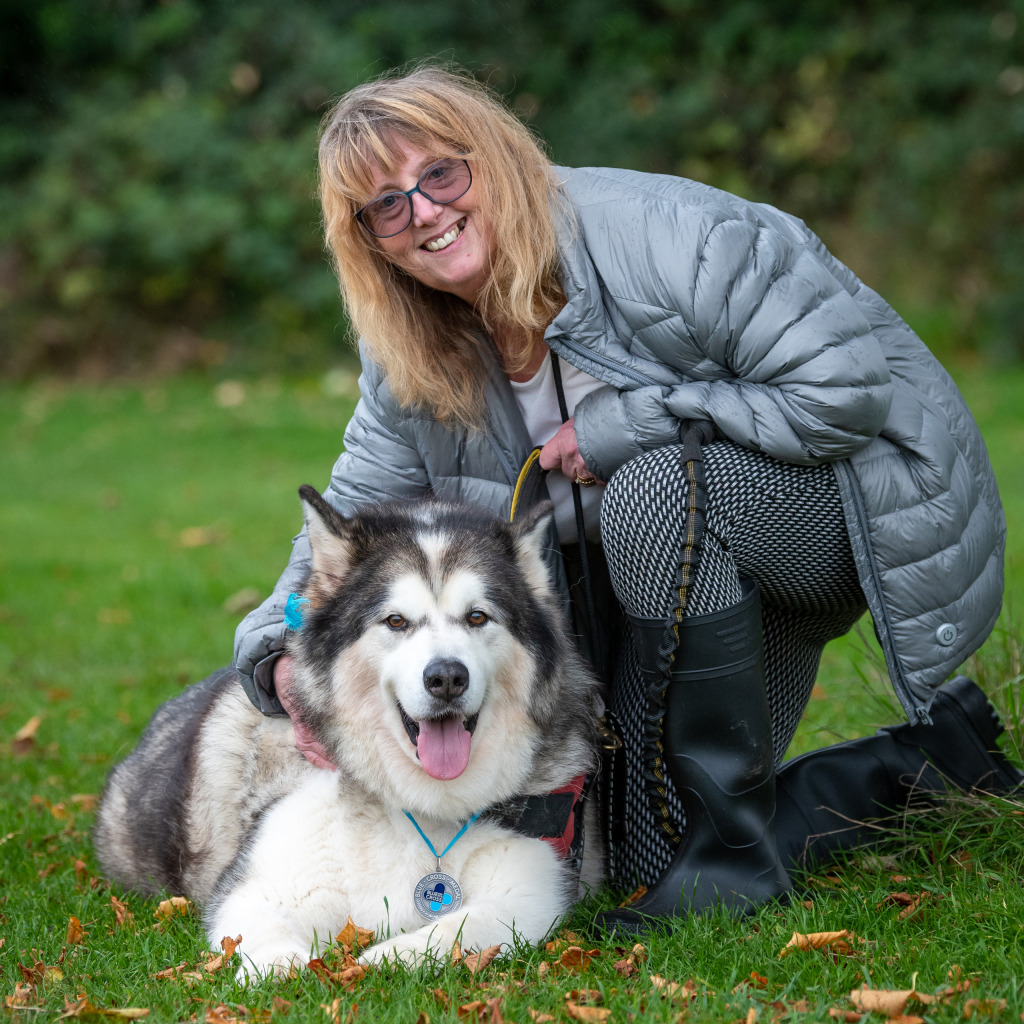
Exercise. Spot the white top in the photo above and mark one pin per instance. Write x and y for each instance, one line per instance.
(538, 402)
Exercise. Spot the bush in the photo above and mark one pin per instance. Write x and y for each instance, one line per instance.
(158, 158)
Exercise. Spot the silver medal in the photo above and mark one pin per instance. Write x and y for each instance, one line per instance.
(437, 894)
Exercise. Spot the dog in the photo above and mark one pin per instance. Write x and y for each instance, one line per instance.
(434, 665)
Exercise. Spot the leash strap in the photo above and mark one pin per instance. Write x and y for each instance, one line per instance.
(594, 640)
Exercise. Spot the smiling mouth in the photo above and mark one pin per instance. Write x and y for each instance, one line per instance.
(442, 744)
(437, 244)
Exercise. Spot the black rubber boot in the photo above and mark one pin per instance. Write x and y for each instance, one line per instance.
(716, 746)
(841, 797)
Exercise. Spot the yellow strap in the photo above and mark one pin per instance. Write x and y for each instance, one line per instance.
(523, 474)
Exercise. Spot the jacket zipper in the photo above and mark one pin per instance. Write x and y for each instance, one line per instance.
(899, 683)
(609, 364)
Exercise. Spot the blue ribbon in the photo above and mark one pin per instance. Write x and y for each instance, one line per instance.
(295, 612)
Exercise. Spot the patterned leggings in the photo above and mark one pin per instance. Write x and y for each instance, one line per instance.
(779, 524)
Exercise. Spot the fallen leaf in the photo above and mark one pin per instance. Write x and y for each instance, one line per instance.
(837, 943)
(34, 974)
(629, 966)
(891, 1002)
(217, 962)
(538, 1017)
(673, 990)
(24, 995)
(352, 935)
(87, 802)
(25, 738)
(456, 954)
(76, 934)
(478, 961)
(905, 1019)
(754, 981)
(752, 1015)
(81, 1007)
(81, 870)
(636, 894)
(584, 995)
(201, 536)
(588, 1013)
(848, 1016)
(470, 1009)
(176, 905)
(575, 959)
(170, 972)
(989, 1007)
(123, 917)
(242, 601)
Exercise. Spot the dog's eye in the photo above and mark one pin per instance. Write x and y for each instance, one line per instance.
(476, 617)
(396, 621)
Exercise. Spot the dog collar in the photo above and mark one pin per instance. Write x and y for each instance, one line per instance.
(548, 816)
(437, 893)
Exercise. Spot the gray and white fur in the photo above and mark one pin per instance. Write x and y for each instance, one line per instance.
(435, 666)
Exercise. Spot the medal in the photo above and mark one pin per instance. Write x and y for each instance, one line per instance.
(437, 893)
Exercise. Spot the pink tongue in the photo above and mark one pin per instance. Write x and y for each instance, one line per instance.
(443, 746)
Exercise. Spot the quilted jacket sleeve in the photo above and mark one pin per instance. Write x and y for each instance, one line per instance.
(379, 462)
(768, 342)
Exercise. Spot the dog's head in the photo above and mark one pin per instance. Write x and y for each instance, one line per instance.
(433, 660)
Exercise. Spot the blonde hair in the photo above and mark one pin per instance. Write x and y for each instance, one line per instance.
(427, 342)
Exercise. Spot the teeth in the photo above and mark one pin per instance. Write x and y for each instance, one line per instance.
(445, 240)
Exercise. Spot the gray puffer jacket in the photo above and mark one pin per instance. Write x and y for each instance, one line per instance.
(694, 304)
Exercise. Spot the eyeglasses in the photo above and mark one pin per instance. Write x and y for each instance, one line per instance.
(391, 213)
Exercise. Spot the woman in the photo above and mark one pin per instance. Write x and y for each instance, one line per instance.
(840, 469)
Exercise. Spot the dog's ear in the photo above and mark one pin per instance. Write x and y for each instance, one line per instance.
(329, 539)
(531, 530)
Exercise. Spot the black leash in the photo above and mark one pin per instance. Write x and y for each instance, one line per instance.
(596, 655)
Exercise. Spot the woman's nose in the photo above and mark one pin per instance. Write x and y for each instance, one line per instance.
(423, 210)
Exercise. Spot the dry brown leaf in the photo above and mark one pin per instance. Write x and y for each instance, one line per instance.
(636, 894)
(478, 961)
(752, 1015)
(629, 966)
(24, 995)
(584, 995)
(576, 959)
(25, 738)
(681, 993)
(905, 1019)
(87, 802)
(34, 974)
(468, 1010)
(352, 935)
(754, 981)
(891, 1002)
(538, 1017)
(441, 996)
(837, 943)
(81, 1007)
(423, 1017)
(81, 870)
(123, 917)
(176, 905)
(847, 1016)
(588, 1013)
(333, 1011)
(201, 536)
(76, 933)
(456, 954)
(989, 1007)
(170, 972)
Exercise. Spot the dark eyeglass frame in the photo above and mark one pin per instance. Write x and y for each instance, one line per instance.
(418, 187)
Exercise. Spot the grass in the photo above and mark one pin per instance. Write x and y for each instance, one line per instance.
(138, 519)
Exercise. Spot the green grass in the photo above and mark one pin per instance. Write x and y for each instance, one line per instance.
(106, 609)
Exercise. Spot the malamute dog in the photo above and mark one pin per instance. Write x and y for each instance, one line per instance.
(433, 664)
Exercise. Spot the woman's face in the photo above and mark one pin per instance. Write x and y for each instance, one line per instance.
(446, 247)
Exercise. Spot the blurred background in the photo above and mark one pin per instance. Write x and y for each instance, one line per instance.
(157, 157)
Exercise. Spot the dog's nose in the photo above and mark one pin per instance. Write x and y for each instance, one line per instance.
(446, 678)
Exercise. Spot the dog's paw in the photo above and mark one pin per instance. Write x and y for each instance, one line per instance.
(410, 949)
(269, 963)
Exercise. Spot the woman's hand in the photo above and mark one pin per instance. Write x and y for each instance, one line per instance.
(313, 751)
(563, 454)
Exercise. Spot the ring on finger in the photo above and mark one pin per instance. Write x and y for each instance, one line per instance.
(585, 481)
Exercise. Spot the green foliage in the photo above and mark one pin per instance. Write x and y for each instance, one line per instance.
(157, 159)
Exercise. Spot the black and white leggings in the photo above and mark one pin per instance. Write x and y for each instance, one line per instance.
(779, 524)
